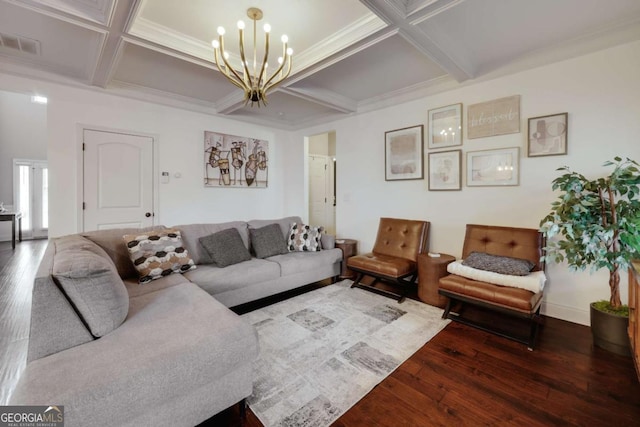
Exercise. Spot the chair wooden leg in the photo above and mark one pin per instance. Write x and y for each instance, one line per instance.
(535, 326)
(447, 309)
(358, 279)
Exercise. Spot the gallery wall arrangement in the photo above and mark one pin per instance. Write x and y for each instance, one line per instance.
(235, 161)
(546, 136)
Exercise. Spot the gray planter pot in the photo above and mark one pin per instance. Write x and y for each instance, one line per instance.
(610, 332)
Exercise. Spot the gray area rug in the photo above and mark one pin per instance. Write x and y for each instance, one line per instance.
(322, 351)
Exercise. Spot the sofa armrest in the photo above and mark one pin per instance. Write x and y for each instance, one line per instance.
(328, 241)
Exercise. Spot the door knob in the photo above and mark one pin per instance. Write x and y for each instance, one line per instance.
(148, 214)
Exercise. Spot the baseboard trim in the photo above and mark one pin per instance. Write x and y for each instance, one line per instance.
(563, 312)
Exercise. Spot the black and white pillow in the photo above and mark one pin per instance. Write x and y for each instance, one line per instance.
(304, 238)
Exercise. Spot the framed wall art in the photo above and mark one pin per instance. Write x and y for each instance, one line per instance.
(235, 161)
(403, 152)
(497, 117)
(493, 167)
(445, 172)
(445, 126)
(548, 135)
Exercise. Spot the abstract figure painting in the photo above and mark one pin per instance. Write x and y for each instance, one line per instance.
(235, 161)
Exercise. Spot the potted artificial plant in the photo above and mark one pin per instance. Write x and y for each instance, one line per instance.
(596, 223)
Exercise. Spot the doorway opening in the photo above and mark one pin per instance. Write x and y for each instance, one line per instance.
(321, 162)
(31, 196)
(24, 176)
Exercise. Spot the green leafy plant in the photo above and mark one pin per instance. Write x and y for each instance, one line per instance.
(596, 222)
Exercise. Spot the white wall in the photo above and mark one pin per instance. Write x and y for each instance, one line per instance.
(23, 135)
(601, 93)
(179, 134)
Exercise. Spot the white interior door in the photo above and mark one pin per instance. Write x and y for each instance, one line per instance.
(320, 193)
(118, 180)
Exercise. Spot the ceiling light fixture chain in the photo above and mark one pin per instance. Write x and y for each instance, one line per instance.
(254, 84)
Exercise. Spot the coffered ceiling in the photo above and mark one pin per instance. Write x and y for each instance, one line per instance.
(349, 55)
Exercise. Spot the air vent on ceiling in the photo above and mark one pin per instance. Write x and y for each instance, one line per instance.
(19, 43)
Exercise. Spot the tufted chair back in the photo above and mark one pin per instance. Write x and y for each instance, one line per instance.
(523, 243)
(401, 238)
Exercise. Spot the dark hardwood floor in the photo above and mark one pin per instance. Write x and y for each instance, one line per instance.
(463, 376)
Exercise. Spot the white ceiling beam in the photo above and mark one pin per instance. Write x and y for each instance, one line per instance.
(230, 103)
(323, 97)
(113, 46)
(396, 14)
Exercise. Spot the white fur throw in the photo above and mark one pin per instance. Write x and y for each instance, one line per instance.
(533, 282)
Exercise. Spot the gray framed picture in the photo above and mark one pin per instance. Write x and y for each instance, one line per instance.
(403, 152)
(547, 135)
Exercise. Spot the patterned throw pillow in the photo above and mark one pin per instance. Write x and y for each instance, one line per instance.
(158, 253)
(304, 238)
(498, 264)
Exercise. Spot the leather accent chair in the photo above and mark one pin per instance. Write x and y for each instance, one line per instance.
(394, 258)
(513, 242)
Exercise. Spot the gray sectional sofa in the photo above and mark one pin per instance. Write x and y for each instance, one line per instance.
(169, 352)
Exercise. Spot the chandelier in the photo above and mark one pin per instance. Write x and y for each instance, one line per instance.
(255, 83)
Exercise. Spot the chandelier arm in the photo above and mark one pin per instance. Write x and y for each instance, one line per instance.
(247, 76)
(264, 61)
(225, 73)
(226, 63)
(284, 59)
(281, 79)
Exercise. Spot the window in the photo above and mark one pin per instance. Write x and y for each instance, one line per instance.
(31, 196)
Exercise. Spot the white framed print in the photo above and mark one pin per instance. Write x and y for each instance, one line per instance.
(445, 126)
(445, 171)
(493, 167)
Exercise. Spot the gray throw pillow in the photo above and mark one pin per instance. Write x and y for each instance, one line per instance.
(225, 247)
(268, 241)
(498, 264)
(93, 286)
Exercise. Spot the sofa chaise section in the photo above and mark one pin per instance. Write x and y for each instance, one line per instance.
(179, 357)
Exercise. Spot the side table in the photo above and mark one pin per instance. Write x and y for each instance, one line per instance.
(430, 270)
(16, 223)
(349, 248)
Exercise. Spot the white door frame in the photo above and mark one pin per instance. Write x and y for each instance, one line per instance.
(80, 128)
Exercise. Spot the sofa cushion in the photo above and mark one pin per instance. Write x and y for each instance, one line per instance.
(304, 238)
(268, 241)
(298, 262)
(498, 264)
(158, 254)
(111, 241)
(215, 280)
(135, 290)
(92, 285)
(225, 247)
(191, 233)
